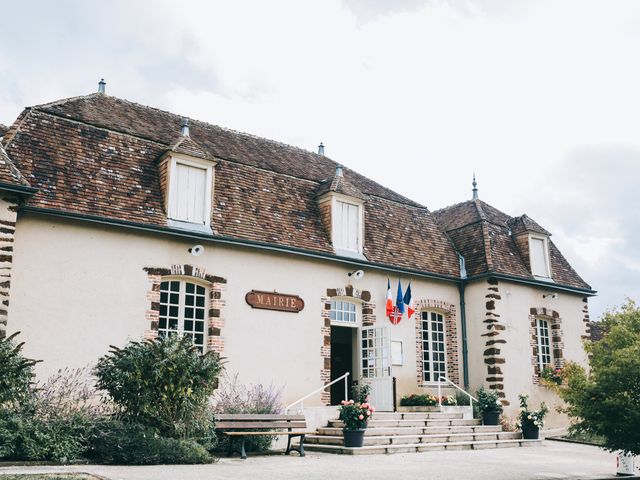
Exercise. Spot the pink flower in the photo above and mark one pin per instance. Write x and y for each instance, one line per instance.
(360, 417)
(368, 412)
(372, 409)
(365, 405)
(351, 402)
(343, 402)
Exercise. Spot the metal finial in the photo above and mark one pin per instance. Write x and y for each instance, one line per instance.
(321, 149)
(475, 185)
(102, 86)
(185, 127)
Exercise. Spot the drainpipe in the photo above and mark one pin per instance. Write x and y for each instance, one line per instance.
(463, 325)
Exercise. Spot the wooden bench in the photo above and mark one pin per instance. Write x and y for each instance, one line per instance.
(241, 425)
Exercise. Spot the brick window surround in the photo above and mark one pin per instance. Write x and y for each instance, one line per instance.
(451, 336)
(555, 334)
(368, 319)
(216, 287)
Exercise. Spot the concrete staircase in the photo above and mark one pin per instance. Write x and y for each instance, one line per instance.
(416, 432)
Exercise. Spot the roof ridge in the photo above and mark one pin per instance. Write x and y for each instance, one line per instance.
(477, 202)
(65, 100)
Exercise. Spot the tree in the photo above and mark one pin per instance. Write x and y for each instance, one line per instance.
(16, 373)
(605, 401)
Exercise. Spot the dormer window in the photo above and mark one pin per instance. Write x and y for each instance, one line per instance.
(539, 256)
(342, 211)
(190, 191)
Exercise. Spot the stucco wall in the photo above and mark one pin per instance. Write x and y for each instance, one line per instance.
(514, 310)
(79, 287)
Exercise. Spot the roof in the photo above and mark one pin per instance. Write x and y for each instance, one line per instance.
(339, 184)
(97, 155)
(9, 174)
(484, 237)
(3, 129)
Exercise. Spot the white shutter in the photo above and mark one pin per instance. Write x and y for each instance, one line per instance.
(188, 200)
(347, 226)
(538, 258)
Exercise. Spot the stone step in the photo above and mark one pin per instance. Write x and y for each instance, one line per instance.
(421, 447)
(377, 431)
(412, 423)
(417, 415)
(415, 439)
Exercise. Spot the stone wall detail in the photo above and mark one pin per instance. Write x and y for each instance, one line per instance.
(494, 341)
(586, 320)
(217, 287)
(8, 215)
(451, 337)
(368, 319)
(555, 333)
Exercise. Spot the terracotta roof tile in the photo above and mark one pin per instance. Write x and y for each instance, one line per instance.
(9, 174)
(480, 233)
(3, 129)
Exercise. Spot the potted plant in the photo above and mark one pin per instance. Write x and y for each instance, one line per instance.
(489, 406)
(531, 421)
(417, 400)
(448, 401)
(355, 417)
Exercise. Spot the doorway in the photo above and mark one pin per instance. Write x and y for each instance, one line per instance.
(342, 361)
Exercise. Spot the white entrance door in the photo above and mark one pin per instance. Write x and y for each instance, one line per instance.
(375, 366)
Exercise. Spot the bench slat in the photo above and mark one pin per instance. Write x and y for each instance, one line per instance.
(243, 425)
(244, 434)
(257, 416)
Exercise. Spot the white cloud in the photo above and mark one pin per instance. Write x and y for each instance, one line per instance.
(415, 94)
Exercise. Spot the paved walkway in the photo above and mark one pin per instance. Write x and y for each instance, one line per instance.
(551, 460)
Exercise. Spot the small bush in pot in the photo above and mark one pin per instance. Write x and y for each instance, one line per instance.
(531, 421)
(355, 417)
(489, 406)
(448, 400)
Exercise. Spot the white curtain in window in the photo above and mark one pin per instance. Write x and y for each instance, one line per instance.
(538, 258)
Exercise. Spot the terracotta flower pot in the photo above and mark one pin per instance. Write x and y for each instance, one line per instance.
(353, 438)
(530, 432)
(491, 418)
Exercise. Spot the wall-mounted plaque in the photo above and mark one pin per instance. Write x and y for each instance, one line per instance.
(274, 301)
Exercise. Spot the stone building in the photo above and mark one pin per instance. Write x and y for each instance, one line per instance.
(121, 221)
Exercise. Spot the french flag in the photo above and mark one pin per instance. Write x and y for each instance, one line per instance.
(389, 304)
(408, 303)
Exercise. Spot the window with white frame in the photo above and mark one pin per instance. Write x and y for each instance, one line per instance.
(347, 226)
(544, 343)
(190, 191)
(343, 311)
(433, 346)
(539, 256)
(182, 311)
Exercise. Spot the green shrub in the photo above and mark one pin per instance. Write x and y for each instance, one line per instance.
(122, 442)
(415, 400)
(461, 398)
(16, 373)
(164, 383)
(233, 397)
(488, 401)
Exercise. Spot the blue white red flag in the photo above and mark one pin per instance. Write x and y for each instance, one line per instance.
(408, 302)
(389, 303)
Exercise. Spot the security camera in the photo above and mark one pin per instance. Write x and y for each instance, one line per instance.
(196, 250)
(357, 274)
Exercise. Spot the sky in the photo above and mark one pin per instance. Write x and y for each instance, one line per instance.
(541, 99)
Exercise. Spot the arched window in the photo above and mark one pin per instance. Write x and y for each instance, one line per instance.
(183, 310)
(433, 346)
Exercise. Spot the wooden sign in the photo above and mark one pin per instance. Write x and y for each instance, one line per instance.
(274, 301)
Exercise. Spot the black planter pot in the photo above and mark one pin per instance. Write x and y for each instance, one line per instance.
(491, 418)
(353, 438)
(530, 432)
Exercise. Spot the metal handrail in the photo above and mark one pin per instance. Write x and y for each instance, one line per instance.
(301, 401)
(471, 397)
